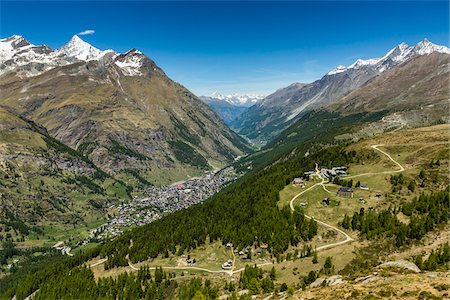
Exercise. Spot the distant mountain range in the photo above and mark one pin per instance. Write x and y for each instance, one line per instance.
(278, 111)
(229, 107)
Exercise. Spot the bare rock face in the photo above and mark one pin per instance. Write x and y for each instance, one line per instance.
(401, 264)
(328, 281)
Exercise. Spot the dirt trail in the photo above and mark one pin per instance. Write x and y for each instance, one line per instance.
(291, 205)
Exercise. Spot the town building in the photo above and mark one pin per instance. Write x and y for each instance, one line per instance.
(227, 265)
(298, 182)
(364, 186)
(345, 192)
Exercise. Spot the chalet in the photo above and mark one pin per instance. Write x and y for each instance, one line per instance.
(264, 246)
(298, 182)
(227, 265)
(229, 245)
(340, 172)
(343, 168)
(364, 186)
(345, 192)
(310, 173)
(303, 204)
(325, 201)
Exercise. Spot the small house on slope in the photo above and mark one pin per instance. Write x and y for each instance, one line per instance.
(345, 192)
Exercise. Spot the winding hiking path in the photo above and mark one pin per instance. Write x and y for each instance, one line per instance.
(291, 205)
(347, 237)
(401, 168)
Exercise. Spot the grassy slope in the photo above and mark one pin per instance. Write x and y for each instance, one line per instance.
(40, 186)
(211, 256)
(99, 112)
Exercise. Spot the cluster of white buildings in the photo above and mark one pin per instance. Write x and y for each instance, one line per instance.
(162, 200)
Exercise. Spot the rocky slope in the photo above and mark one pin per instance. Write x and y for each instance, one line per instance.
(279, 110)
(42, 181)
(120, 110)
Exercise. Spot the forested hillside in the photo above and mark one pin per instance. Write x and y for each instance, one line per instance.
(243, 214)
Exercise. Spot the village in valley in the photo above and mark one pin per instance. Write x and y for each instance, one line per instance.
(160, 201)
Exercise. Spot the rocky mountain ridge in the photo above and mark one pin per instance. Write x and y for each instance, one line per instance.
(279, 110)
(120, 110)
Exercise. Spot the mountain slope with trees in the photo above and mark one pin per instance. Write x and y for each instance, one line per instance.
(120, 110)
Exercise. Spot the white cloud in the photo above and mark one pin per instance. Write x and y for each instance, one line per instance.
(86, 32)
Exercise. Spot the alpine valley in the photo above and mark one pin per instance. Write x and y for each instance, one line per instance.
(230, 107)
(83, 128)
(276, 112)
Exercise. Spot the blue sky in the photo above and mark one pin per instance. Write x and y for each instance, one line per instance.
(243, 47)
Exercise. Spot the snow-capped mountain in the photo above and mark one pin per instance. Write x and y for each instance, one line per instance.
(229, 107)
(396, 55)
(79, 49)
(26, 59)
(130, 62)
(110, 101)
(16, 51)
(277, 111)
(245, 100)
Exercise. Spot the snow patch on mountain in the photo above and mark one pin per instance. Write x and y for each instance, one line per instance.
(79, 49)
(398, 54)
(130, 62)
(244, 100)
(16, 53)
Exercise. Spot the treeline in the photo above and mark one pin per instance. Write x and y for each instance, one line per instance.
(9, 250)
(425, 212)
(253, 279)
(79, 283)
(245, 214)
(438, 259)
(27, 280)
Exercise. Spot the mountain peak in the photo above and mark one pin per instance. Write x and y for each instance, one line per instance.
(398, 54)
(244, 100)
(425, 47)
(11, 45)
(79, 49)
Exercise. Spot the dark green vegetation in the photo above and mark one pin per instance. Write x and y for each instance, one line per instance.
(242, 211)
(238, 214)
(438, 259)
(48, 182)
(255, 281)
(314, 131)
(25, 281)
(188, 155)
(425, 213)
(117, 148)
